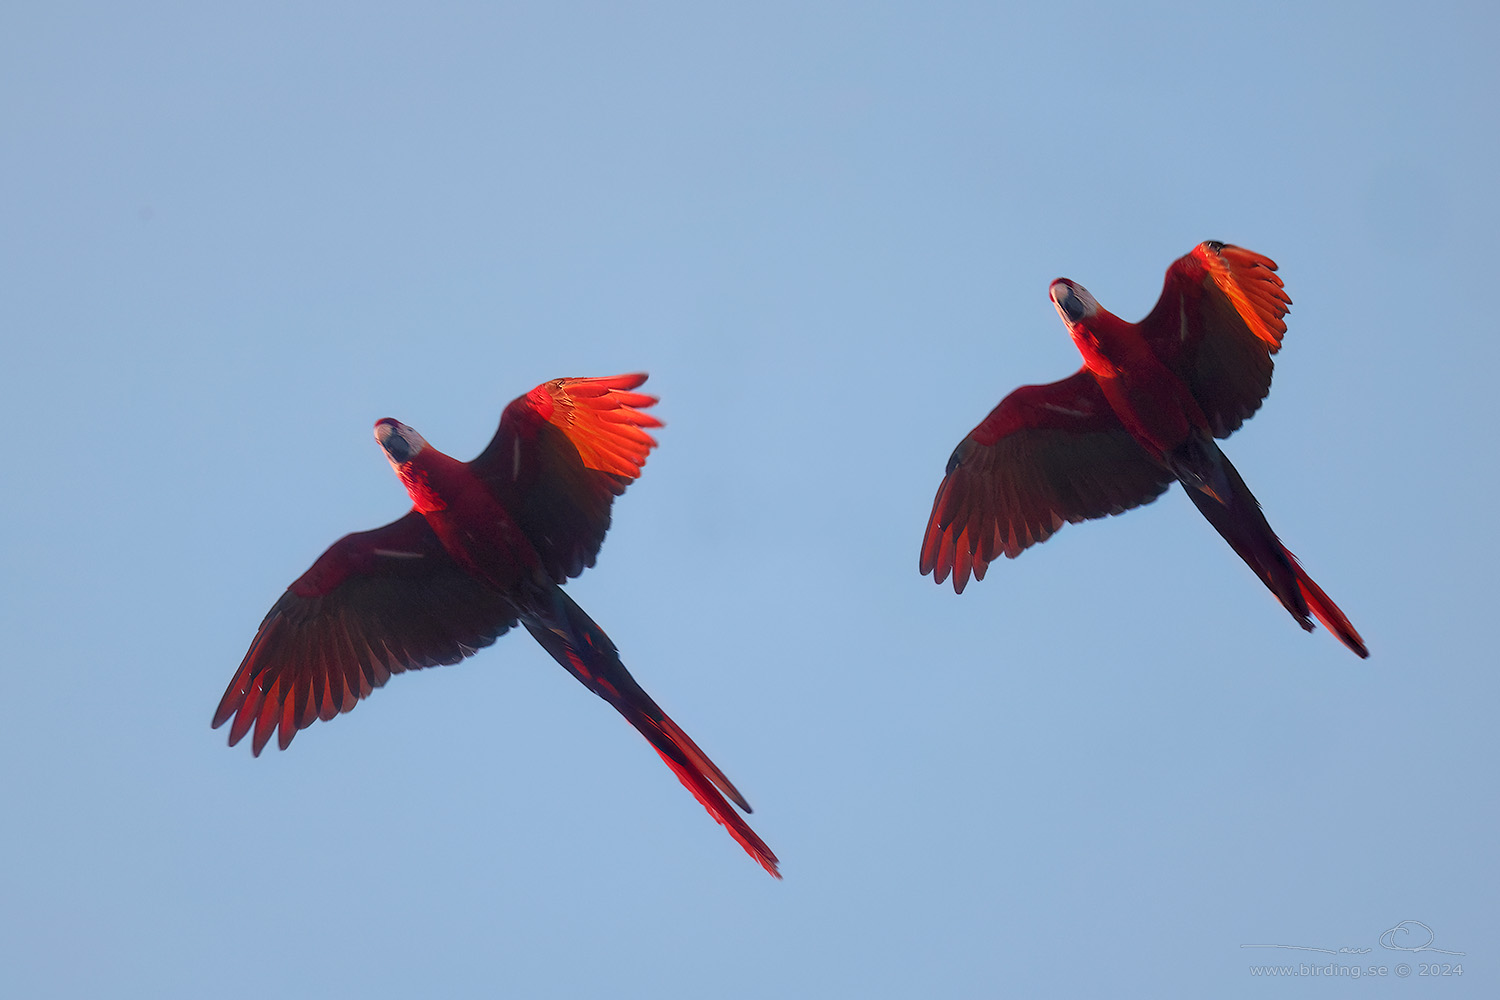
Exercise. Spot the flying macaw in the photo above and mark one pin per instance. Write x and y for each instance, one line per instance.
(486, 545)
(1142, 412)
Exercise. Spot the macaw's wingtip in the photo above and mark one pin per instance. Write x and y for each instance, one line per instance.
(623, 381)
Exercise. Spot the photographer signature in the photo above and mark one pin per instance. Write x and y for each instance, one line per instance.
(1388, 941)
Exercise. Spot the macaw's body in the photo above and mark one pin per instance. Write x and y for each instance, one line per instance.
(1142, 412)
(486, 545)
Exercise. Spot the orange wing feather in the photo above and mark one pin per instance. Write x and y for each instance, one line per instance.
(1220, 318)
(1250, 282)
(562, 454)
(601, 418)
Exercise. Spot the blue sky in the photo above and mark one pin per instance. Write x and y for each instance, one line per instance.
(234, 238)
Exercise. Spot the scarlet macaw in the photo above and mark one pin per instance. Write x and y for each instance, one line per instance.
(486, 544)
(1142, 411)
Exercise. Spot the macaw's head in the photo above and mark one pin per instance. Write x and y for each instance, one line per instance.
(401, 443)
(1087, 324)
(1073, 301)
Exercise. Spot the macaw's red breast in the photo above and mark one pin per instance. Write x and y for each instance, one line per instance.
(473, 525)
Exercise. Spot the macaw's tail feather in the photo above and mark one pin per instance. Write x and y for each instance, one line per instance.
(1238, 518)
(580, 645)
(1326, 611)
(706, 794)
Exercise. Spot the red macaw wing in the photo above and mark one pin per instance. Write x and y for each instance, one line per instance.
(563, 452)
(1220, 317)
(1046, 455)
(376, 603)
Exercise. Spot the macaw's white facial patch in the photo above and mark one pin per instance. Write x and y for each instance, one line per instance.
(400, 442)
(1073, 301)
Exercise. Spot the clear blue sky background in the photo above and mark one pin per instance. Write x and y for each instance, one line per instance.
(234, 238)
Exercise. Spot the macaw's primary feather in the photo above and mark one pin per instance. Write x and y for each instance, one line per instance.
(485, 546)
(1143, 411)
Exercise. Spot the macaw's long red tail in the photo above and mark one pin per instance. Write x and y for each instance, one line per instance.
(1216, 489)
(1326, 611)
(575, 641)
